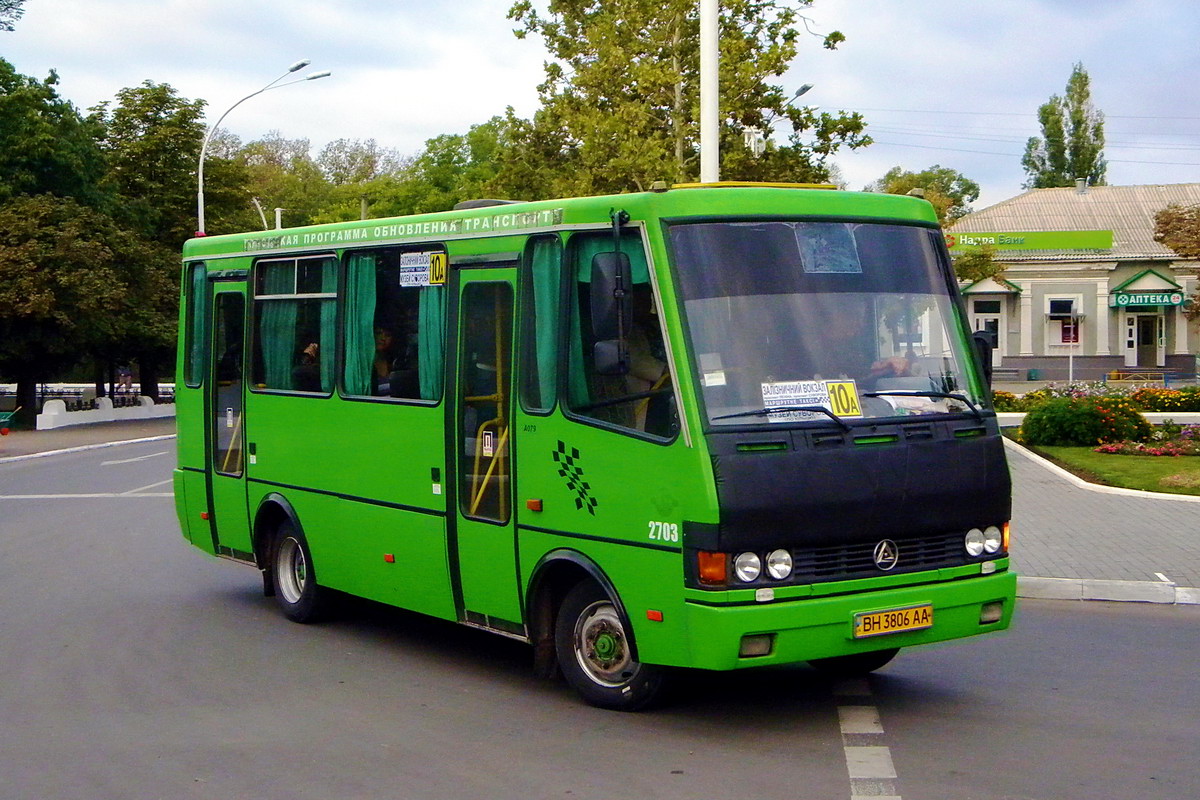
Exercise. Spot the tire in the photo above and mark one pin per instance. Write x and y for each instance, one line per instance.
(594, 649)
(296, 590)
(854, 665)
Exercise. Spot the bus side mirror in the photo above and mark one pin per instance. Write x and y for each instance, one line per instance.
(984, 343)
(612, 312)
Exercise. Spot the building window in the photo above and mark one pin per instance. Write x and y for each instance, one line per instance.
(1063, 320)
(986, 306)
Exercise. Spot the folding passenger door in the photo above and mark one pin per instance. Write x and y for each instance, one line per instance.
(225, 415)
(480, 459)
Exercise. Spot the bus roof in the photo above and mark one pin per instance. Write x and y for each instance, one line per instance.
(689, 200)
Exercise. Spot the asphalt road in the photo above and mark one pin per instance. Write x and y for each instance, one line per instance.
(133, 666)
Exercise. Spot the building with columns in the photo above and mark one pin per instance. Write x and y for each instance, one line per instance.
(1085, 290)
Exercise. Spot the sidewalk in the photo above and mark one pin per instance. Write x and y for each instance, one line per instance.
(1069, 540)
(24, 444)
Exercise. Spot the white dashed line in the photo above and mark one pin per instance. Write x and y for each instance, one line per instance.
(868, 760)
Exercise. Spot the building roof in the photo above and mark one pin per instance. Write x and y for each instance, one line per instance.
(1127, 211)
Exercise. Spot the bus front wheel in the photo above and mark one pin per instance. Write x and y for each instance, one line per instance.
(296, 589)
(595, 652)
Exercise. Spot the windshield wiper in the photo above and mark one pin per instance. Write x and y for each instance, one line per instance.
(948, 395)
(762, 412)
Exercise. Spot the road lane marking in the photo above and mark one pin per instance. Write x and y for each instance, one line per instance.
(868, 758)
(151, 486)
(132, 460)
(82, 496)
(1163, 578)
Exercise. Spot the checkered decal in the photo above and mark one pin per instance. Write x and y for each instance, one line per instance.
(568, 467)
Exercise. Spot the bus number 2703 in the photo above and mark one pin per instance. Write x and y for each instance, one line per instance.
(664, 531)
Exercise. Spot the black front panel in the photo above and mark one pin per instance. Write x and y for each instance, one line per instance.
(821, 487)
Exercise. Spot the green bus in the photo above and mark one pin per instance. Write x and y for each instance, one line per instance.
(712, 426)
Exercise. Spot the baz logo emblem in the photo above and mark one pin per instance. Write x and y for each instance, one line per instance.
(886, 555)
(568, 467)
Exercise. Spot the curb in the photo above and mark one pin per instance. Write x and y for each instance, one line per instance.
(1117, 591)
(81, 448)
(1095, 487)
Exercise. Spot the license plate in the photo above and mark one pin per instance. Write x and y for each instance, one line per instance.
(895, 620)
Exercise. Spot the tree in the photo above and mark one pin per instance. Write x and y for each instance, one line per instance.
(1178, 227)
(73, 285)
(10, 12)
(620, 102)
(949, 191)
(152, 138)
(1072, 142)
(346, 161)
(977, 264)
(46, 147)
(283, 174)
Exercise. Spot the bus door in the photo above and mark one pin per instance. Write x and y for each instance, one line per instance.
(480, 463)
(226, 461)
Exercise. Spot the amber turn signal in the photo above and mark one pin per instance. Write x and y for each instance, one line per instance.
(712, 568)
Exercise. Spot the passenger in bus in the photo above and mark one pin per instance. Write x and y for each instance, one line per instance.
(395, 370)
(306, 377)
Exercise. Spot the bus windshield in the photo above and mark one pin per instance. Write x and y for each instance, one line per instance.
(797, 321)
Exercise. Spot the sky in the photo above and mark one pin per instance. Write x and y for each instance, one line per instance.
(950, 82)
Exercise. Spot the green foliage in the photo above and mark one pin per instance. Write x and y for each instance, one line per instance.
(152, 138)
(1072, 142)
(1083, 421)
(1157, 398)
(977, 264)
(73, 284)
(620, 102)
(1178, 227)
(10, 12)
(948, 191)
(1005, 401)
(46, 147)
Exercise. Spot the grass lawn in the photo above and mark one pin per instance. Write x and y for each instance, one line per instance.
(1176, 474)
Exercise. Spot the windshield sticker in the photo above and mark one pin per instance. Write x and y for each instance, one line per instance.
(826, 248)
(414, 268)
(840, 397)
(716, 378)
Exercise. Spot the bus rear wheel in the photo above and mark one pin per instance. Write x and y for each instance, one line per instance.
(300, 597)
(854, 665)
(595, 652)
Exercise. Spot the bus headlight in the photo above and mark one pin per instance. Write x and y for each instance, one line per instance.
(991, 539)
(974, 542)
(747, 567)
(779, 564)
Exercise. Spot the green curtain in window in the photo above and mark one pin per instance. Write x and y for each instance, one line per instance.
(328, 324)
(360, 323)
(585, 247)
(546, 271)
(277, 327)
(430, 341)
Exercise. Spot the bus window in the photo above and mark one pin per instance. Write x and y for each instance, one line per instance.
(196, 291)
(539, 322)
(486, 313)
(641, 400)
(294, 323)
(394, 321)
(227, 384)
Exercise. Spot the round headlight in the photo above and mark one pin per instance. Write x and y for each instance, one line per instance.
(747, 567)
(779, 564)
(974, 542)
(991, 539)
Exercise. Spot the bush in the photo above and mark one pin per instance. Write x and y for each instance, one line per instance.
(1005, 401)
(1156, 398)
(1084, 422)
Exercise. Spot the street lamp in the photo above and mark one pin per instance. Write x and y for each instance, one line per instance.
(799, 92)
(275, 84)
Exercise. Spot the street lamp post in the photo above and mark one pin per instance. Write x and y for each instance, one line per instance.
(275, 84)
